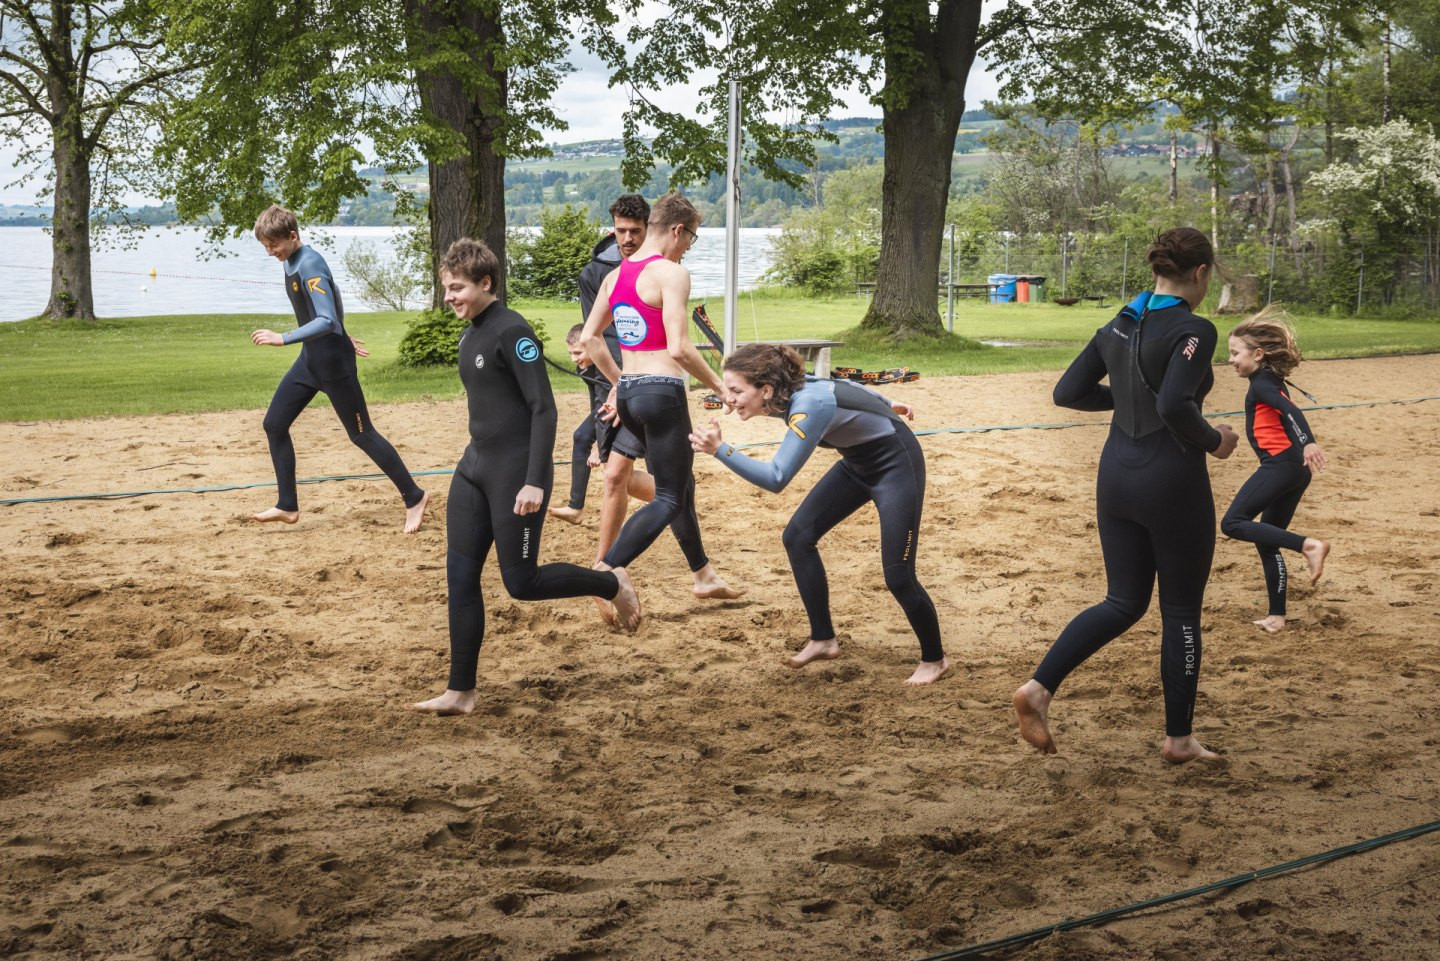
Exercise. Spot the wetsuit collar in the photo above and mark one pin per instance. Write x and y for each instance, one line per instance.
(479, 318)
(1148, 301)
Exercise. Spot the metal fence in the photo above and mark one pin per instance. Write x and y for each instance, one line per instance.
(1393, 274)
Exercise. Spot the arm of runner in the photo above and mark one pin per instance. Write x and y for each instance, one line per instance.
(319, 289)
(520, 351)
(1175, 401)
(1079, 388)
(592, 338)
(675, 309)
(810, 414)
(1268, 390)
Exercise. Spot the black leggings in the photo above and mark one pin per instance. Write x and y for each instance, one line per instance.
(656, 410)
(477, 516)
(297, 388)
(1272, 493)
(581, 442)
(891, 472)
(1156, 518)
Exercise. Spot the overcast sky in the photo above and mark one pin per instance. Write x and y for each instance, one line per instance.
(591, 109)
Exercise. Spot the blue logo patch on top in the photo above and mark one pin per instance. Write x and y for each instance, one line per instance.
(527, 350)
(630, 327)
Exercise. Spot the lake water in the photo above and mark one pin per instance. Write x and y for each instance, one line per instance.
(246, 281)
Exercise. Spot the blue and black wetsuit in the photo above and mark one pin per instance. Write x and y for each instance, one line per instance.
(326, 365)
(1155, 510)
(512, 439)
(1278, 433)
(880, 461)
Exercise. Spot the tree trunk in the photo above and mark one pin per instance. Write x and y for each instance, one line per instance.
(927, 62)
(1291, 223)
(1174, 166)
(1215, 189)
(467, 191)
(1269, 195)
(71, 294)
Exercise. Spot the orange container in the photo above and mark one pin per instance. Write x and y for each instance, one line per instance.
(1022, 291)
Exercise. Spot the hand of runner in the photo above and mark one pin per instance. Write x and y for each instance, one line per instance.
(529, 499)
(706, 440)
(267, 338)
(359, 346)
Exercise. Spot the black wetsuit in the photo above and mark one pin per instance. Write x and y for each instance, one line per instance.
(881, 463)
(1155, 510)
(326, 365)
(610, 437)
(512, 439)
(1278, 433)
(586, 433)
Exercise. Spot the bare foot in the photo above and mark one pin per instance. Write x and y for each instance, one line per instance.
(448, 704)
(928, 672)
(710, 586)
(567, 513)
(627, 602)
(1273, 624)
(276, 514)
(815, 651)
(1178, 750)
(1315, 552)
(1032, 710)
(607, 613)
(415, 516)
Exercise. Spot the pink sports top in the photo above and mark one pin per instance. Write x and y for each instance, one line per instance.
(638, 325)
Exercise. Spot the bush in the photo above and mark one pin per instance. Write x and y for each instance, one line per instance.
(382, 284)
(547, 263)
(432, 339)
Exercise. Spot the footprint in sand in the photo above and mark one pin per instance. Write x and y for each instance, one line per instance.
(50, 734)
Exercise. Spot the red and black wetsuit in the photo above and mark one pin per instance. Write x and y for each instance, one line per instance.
(1278, 433)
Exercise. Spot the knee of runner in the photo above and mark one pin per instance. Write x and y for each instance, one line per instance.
(1230, 526)
(519, 582)
(901, 582)
(798, 537)
(1132, 608)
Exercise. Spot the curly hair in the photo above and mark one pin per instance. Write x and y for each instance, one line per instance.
(775, 365)
(631, 207)
(1271, 332)
(1178, 251)
(472, 260)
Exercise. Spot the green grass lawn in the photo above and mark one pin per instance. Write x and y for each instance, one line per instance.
(150, 365)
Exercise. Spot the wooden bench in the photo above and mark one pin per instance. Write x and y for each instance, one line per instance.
(866, 288)
(810, 350)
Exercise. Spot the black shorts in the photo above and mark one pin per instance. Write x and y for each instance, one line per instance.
(618, 438)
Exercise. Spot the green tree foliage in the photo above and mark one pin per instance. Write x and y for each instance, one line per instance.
(1223, 68)
(546, 263)
(292, 114)
(79, 85)
(830, 247)
(792, 57)
(1387, 194)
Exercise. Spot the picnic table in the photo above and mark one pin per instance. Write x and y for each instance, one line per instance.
(811, 350)
(866, 288)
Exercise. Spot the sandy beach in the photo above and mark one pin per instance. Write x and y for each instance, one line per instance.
(204, 752)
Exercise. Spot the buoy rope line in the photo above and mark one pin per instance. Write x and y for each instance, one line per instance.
(1026, 937)
(120, 495)
(156, 275)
